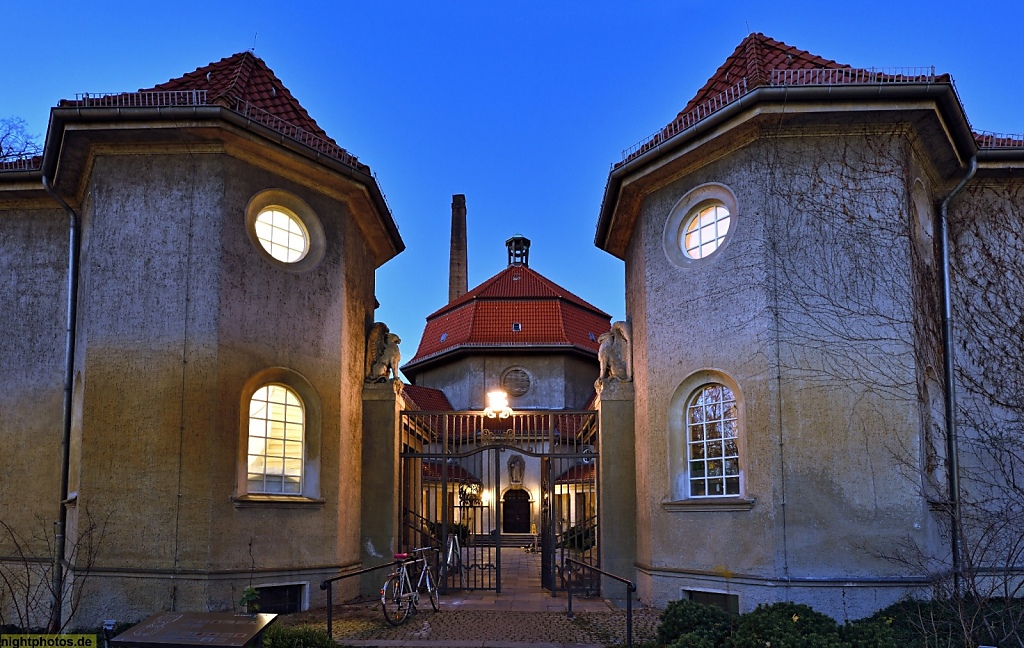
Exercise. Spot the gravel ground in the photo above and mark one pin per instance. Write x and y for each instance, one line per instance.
(362, 624)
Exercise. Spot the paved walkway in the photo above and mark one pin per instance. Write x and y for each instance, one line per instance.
(522, 615)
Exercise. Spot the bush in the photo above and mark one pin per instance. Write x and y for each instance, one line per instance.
(297, 637)
(685, 623)
(785, 625)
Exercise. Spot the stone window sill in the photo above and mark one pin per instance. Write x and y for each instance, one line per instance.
(709, 504)
(276, 501)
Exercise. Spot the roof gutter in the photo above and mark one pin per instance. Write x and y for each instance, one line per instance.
(74, 252)
(952, 447)
(948, 103)
(61, 115)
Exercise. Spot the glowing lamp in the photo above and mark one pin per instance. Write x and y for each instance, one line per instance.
(497, 405)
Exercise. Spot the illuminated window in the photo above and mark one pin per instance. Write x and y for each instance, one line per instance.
(276, 441)
(705, 229)
(281, 234)
(285, 231)
(711, 441)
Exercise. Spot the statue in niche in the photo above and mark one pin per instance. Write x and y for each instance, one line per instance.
(616, 353)
(516, 468)
(382, 354)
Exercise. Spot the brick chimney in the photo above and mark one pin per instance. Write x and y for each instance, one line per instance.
(458, 273)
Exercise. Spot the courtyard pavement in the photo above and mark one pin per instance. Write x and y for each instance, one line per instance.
(523, 615)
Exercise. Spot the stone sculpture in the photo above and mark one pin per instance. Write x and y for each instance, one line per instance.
(616, 353)
(382, 354)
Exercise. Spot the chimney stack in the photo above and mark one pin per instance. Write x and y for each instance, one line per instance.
(458, 273)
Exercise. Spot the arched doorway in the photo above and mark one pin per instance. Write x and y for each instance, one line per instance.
(515, 511)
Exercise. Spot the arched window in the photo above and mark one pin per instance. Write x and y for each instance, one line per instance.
(707, 444)
(276, 441)
(712, 433)
(279, 430)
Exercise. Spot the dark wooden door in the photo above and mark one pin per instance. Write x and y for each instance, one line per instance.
(515, 512)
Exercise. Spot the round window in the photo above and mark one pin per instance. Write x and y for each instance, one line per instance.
(285, 231)
(515, 381)
(705, 229)
(700, 224)
(282, 234)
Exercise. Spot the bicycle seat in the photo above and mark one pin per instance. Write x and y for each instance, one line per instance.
(401, 556)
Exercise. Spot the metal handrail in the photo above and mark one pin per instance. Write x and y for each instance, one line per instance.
(327, 585)
(630, 588)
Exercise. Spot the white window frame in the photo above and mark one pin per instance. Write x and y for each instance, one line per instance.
(709, 427)
(296, 208)
(686, 210)
(679, 446)
(311, 442)
(273, 465)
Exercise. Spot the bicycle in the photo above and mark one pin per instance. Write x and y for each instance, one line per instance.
(452, 563)
(398, 597)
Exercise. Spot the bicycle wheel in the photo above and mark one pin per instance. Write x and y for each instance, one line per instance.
(432, 590)
(395, 607)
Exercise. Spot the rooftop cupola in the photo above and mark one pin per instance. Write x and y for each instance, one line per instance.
(518, 250)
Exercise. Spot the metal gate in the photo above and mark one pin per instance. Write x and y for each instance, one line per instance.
(472, 485)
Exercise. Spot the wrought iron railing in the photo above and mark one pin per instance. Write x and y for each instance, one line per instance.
(30, 163)
(688, 119)
(312, 140)
(149, 99)
(851, 76)
(989, 140)
(255, 114)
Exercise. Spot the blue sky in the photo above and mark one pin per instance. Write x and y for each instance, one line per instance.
(522, 106)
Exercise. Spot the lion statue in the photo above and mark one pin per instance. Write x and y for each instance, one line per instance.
(382, 354)
(615, 353)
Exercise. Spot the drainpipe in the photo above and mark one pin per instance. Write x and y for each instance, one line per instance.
(952, 462)
(74, 251)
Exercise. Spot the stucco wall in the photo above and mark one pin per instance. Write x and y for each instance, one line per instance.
(177, 313)
(557, 381)
(807, 312)
(33, 264)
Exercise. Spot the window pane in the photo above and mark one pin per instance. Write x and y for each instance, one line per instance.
(257, 446)
(697, 487)
(275, 465)
(714, 468)
(257, 465)
(696, 469)
(714, 431)
(732, 485)
(274, 445)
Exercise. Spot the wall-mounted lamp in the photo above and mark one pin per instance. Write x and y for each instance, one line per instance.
(497, 405)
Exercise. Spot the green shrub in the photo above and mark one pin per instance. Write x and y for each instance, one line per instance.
(685, 623)
(785, 625)
(297, 637)
(875, 633)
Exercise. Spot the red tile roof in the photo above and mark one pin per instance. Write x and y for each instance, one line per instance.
(246, 77)
(761, 61)
(582, 473)
(425, 399)
(242, 83)
(546, 315)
